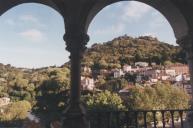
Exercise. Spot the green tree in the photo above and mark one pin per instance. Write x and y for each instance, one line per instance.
(161, 96)
(52, 97)
(15, 111)
(104, 101)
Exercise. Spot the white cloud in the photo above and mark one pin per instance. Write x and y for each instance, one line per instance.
(158, 21)
(119, 4)
(152, 34)
(33, 35)
(134, 11)
(10, 22)
(114, 30)
(29, 18)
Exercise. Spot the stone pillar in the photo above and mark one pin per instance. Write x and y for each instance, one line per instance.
(187, 44)
(75, 114)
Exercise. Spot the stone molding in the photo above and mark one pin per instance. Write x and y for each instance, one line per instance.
(76, 42)
(186, 42)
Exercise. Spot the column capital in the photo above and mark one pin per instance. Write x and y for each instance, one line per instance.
(186, 42)
(76, 42)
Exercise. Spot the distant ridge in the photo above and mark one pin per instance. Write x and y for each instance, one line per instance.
(127, 50)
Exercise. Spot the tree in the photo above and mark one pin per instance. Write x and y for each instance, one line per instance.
(115, 85)
(161, 96)
(131, 77)
(52, 97)
(15, 111)
(104, 101)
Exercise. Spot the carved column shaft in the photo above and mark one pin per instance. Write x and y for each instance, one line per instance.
(187, 44)
(76, 46)
(75, 113)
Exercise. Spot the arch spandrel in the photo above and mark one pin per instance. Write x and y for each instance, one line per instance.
(165, 7)
(6, 5)
(86, 10)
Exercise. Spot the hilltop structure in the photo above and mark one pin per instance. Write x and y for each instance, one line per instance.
(4, 101)
(78, 14)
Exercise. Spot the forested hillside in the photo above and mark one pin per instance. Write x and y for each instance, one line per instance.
(46, 90)
(127, 50)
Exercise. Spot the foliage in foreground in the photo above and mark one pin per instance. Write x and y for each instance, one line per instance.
(15, 111)
(160, 96)
(104, 101)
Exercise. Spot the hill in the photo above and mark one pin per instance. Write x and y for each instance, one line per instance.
(47, 89)
(128, 50)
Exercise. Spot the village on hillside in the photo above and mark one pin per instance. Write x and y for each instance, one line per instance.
(140, 74)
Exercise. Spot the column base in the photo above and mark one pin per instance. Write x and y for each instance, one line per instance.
(189, 118)
(75, 116)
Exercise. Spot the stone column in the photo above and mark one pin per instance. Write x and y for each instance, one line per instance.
(75, 114)
(187, 44)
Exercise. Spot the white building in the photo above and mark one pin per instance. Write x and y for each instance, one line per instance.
(165, 77)
(118, 73)
(153, 73)
(154, 80)
(141, 64)
(4, 101)
(179, 78)
(86, 69)
(170, 72)
(87, 83)
(127, 68)
(2, 80)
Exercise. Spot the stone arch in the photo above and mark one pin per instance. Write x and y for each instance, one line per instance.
(6, 5)
(167, 8)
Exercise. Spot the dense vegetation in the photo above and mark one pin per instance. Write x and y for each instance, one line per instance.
(47, 89)
(15, 111)
(128, 50)
(160, 96)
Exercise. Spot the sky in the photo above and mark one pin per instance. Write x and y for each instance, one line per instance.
(31, 35)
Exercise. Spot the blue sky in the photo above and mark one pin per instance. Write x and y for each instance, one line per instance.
(31, 35)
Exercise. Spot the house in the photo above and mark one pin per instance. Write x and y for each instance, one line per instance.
(141, 64)
(127, 68)
(180, 69)
(86, 69)
(2, 80)
(4, 101)
(152, 73)
(87, 83)
(118, 73)
(154, 80)
(186, 77)
(179, 78)
(165, 77)
(170, 72)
